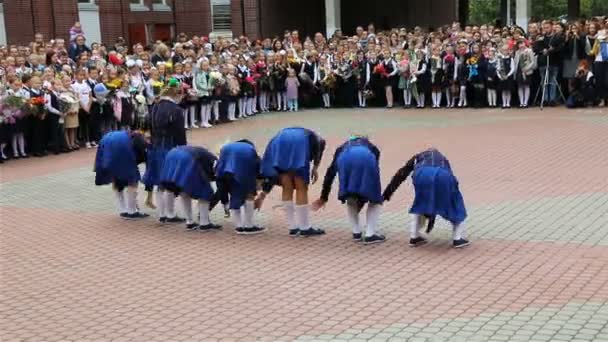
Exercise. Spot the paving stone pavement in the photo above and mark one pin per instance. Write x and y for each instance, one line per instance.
(534, 182)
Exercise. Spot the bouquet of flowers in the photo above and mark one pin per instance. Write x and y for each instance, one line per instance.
(233, 85)
(68, 103)
(11, 109)
(157, 86)
(35, 106)
(248, 86)
(380, 70)
(404, 68)
(216, 82)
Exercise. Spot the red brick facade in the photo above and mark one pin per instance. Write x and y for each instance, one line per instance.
(52, 18)
(254, 18)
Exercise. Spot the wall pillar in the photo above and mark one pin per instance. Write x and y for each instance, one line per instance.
(522, 13)
(333, 20)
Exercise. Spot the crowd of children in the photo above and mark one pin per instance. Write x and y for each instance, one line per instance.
(58, 98)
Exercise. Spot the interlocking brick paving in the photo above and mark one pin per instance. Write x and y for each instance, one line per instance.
(535, 184)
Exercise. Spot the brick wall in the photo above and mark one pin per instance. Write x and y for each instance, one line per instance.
(193, 17)
(52, 18)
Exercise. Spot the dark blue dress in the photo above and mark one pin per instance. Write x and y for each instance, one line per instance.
(236, 172)
(117, 157)
(435, 186)
(357, 164)
(189, 170)
(166, 122)
(292, 150)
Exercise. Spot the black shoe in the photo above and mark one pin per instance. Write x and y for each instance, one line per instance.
(239, 230)
(175, 219)
(137, 216)
(460, 243)
(356, 236)
(311, 232)
(376, 238)
(252, 230)
(162, 219)
(192, 226)
(418, 241)
(124, 215)
(294, 232)
(209, 227)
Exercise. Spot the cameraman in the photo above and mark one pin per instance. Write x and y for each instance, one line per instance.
(548, 47)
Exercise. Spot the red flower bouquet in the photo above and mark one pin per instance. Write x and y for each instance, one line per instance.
(381, 70)
(35, 106)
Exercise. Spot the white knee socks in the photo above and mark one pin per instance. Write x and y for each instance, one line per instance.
(249, 209)
(120, 198)
(373, 215)
(236, 218)
(216, 110)
(462, 101)
(203, 211)
(506, 99)
(187, 205)
(289, 208)
(352, 211)
(192, 113)
(159, 198)
(169, 204)
(448, 98)
(415, 225)
(302, 221)
(326, 100)
(231, 111)
(131, 200)
(459, 231)
(421, 100)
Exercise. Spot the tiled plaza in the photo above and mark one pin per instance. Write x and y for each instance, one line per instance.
(535, 184)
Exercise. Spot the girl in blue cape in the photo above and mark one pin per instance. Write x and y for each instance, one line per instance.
(286, 162)
(188, 171)
(436, 193)
(166, 122)
(357, 164)
(236, 172)
(116, 161)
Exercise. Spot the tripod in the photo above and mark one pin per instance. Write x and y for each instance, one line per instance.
(545, 83)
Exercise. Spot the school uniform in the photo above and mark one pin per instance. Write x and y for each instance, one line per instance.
(436, 193)
(236, 173)
(166, 122)
(83, 90)
(38, 129)
(505, 70)
(492, 74)
(188, 171)
(167, 131)
(94, 113)
(55, 123)
(116, 162)
(291, 151)
(356, 162)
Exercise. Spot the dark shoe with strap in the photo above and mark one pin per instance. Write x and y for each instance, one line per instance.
(311, 232)
(419, 241)
(376, 238)
(460, 243)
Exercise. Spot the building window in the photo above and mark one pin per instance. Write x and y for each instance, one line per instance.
(221, 14)
(138, 6)
(160, 5)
